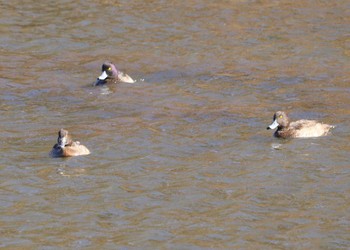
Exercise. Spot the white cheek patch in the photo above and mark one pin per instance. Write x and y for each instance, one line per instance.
(103, 76)
(63, 142)
(274, 124)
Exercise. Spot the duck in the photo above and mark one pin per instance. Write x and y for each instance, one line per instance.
(66, 147)
(110, 74)
(297, 129)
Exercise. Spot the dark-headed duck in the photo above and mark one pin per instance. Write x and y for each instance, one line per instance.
(297, 129)
(110, 74)
(66, 147)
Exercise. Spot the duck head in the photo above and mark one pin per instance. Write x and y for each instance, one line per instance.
(280, 119)
(109, 71)
(63, 138)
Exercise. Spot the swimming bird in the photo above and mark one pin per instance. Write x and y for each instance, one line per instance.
(297, 129)
(110, 74)
(66, 147)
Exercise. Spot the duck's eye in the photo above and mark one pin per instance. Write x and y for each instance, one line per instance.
(110, 68)
(281, 116)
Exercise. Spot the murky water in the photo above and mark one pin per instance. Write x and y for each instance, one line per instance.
(181, 159)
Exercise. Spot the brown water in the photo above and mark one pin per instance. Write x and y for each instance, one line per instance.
(182, 158)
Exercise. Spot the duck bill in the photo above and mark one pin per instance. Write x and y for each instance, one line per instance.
(103, 76)
(273, 125)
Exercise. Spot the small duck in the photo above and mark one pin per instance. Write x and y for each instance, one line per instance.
(297, 129)
(111, 74)
(66, 147)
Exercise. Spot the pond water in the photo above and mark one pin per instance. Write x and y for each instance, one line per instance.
(181, 159)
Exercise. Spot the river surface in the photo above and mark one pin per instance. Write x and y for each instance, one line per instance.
(181, 159)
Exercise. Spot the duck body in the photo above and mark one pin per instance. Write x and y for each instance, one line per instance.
(66, 147)
(297, 129)
(110, 74)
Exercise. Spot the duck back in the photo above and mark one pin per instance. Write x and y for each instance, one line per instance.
(310, 128)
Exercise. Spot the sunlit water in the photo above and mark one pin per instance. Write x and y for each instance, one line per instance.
(182, 158)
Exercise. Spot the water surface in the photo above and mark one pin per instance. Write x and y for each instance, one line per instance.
(182, 158)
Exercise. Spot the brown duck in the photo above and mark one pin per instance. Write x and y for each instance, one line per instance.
(66, 147)
(297, 129)
(110, 74)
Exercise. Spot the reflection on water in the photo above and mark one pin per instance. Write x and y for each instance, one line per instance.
(180, 159)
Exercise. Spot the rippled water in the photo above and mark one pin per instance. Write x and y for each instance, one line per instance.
(181, 159)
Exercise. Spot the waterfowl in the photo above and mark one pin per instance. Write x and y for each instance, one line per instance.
(111, 74)
(297, 129)
(66, 147)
